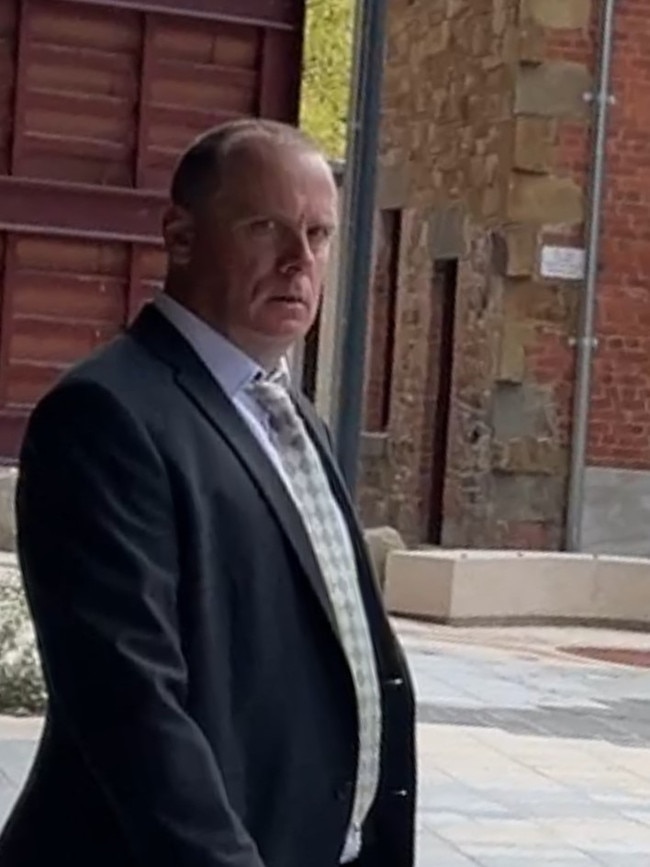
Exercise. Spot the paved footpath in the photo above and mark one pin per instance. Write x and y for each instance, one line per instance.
(529, 755)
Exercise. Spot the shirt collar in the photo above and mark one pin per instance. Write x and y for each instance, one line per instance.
(231, 367)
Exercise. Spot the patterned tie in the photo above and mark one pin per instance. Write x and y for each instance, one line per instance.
(331, 543)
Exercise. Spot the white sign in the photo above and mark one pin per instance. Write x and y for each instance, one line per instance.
(563, 263)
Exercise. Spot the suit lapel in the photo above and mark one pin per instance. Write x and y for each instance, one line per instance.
(196, 381)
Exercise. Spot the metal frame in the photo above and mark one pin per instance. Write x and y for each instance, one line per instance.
(358, 228)
(276, 14)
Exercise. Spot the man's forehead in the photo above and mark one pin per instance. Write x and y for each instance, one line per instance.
(257, 169)
(260, 151)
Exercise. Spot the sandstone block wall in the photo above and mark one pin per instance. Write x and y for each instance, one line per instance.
(486, 129)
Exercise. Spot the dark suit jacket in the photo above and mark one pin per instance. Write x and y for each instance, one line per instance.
(201, 710)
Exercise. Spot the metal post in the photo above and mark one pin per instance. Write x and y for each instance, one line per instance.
(357, 230)
(586, 341)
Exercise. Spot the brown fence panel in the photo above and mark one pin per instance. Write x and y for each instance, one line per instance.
(97, 99)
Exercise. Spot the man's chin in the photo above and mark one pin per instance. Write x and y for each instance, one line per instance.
(268, 346)
(291, 326)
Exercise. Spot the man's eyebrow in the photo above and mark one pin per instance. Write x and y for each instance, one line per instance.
(324, 222)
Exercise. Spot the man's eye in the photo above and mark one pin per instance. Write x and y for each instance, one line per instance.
(319, 234)
(264, 227)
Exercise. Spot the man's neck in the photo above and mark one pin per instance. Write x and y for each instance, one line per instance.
(267, 357)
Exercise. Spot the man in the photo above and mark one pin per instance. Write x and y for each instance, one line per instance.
(225, 689)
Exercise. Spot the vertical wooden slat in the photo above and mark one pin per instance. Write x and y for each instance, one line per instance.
(134, 297)
(144, 103)
(23, 18)
(279, 81)
(6, 310)
(23, 15)
(4, 288)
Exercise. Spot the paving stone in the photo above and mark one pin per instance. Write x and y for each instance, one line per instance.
(527, 856)
(569, 859)
(526, 759)
(642, 816)
(15, 759)
(619, 860)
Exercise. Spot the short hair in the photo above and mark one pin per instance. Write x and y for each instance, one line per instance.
(201, 168)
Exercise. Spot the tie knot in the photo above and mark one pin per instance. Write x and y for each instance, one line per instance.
(279, 376)
(271, 393)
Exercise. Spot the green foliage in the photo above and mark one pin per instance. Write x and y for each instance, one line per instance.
(326, 75)
(21, 681)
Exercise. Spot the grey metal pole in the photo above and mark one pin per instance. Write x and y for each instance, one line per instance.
(357, 230)
(587, 341)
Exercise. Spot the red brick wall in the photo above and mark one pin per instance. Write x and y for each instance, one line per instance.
(551, 355)
(619, 429)
(620, 424)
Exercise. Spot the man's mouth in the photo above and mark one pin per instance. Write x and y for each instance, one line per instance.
(288, 299)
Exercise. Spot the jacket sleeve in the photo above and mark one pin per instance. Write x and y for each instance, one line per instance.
(97, 547)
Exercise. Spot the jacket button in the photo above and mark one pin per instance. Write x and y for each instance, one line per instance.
(400, 793)
(395, 682)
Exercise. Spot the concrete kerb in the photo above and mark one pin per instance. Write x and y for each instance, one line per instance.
(381, 541)
(516, 587)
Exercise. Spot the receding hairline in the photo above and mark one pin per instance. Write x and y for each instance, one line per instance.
(200, 170)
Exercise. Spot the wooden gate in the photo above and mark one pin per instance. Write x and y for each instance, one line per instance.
(97, 100)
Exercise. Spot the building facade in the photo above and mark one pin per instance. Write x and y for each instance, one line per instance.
(483, 199)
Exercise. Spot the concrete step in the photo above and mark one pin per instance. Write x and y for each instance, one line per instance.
(476, 587)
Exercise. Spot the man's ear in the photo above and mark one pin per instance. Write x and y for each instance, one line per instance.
(178, 234)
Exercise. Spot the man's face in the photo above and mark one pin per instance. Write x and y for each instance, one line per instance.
(261, 248)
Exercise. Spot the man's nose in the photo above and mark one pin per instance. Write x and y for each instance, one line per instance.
(299, 253)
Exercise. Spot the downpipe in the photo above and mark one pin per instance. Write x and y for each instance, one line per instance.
(358, 231)
(586, 341)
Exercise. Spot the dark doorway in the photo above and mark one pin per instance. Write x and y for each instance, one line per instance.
(383, 311)
(441, 362)
(310, 360)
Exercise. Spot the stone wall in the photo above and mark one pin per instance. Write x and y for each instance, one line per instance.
(484, 149)
(546, 206)
(445, 155)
